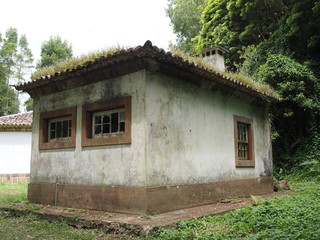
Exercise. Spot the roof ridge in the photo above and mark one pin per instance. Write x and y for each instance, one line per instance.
(16, 114)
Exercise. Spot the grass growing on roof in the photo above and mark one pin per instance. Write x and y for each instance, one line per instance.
(73, 63)
(265, 88)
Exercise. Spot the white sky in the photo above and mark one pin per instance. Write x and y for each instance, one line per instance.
(88, 25)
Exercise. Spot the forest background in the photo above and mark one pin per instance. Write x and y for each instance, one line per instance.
(272, 41)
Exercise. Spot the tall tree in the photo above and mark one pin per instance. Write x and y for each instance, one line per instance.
(54, 50)
(9, 103)
(185, 19)
(23, 60)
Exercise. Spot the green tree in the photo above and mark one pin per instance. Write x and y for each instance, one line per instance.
(9, 103)
(185, 19)
(23, 60)
(29, 104)
(296, 119)
(54, 50)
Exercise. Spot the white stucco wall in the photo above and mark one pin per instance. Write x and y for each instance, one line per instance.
(101, 165)
(15, 152)
(190, 134)
(181, 134)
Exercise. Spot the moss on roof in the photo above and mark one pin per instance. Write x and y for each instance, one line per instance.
(78, 62)
(73, 63)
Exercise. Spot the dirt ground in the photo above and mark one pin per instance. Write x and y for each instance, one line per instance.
(119, 223)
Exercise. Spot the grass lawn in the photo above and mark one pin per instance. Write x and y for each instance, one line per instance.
(12, 193)
(292, 217)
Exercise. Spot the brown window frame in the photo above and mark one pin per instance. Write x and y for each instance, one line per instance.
(88, 110)
(250, 161)
(45, 117)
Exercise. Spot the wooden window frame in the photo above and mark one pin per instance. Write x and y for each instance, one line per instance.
(250, 162)
(110, 139)
(45, 117)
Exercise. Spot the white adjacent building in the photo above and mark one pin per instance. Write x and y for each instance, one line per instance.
(15, 147)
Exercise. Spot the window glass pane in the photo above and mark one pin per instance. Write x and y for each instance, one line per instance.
(52, 134)
(122, 127)
(97, 119)
(114, 122)
(59, 130)
(69, 129)
(65, 128)
(106, 128)
(106, 119)
(52, 130)
(97, 129)
(121, 116)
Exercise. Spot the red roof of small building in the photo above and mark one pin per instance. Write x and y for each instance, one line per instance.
(16, 122)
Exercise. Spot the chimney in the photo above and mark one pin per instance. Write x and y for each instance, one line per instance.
(214, 56)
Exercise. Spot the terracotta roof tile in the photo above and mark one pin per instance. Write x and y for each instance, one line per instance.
(21, 119)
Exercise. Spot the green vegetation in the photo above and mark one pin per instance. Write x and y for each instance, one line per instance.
(54, 50)
(71, 63)
(291, 217)
(15, 62)
(185, 20)
(13, 193)
(15, 226)
(31, 227)
(274, 42)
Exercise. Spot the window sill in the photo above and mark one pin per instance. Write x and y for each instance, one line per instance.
(245, 163)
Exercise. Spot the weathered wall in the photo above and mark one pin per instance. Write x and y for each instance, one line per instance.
(101, 165)
(182, 152)
(15, 152)
(190, 134)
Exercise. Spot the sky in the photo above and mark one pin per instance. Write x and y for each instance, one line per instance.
(89, 25)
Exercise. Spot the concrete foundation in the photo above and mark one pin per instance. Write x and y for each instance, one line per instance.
(145, 200)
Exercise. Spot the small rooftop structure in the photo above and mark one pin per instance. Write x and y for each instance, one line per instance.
(214, 56)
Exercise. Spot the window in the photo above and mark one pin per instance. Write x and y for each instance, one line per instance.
(243, 135)
(107, 123)
(57, 128)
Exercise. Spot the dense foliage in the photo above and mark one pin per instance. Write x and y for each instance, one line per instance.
(276, 42)
(185, 19)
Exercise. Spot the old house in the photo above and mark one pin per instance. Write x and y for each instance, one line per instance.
(15, 147)
(145, 131)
